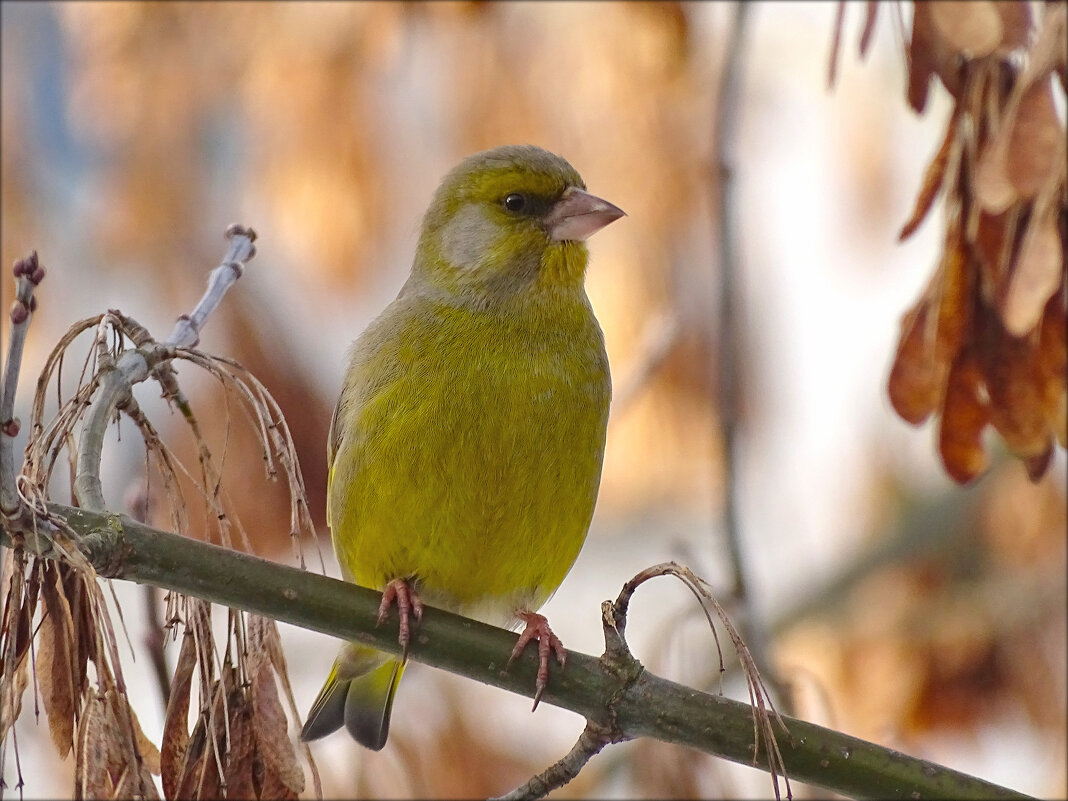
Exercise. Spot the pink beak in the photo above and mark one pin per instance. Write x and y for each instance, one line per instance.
(578, 215)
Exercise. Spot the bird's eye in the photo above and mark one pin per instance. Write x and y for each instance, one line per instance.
(515, 202)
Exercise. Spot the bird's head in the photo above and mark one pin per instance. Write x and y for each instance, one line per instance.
(508, 218)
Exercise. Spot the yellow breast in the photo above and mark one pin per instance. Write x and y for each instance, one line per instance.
(469, 446)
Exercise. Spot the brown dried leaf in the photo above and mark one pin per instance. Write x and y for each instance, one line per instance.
(1015, 387)
(92, 779)
(996, 245)
(150, 755)
(1053, 365)
(1036, 275)
(933, 180)
(197, 768)
(1036, 142)
(915, 383)
(12, 689)
(85, 640)
(970, 27)
(106, 762)
(922, 56)
(128, 770)
(1016, 22)
(956, 291)
(175, 743)
(240, 755)
(272, 737)
(55, 672)
(964, 416)
(993, 189)
(1038, 465)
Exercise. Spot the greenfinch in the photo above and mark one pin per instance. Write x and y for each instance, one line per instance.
(466, 446)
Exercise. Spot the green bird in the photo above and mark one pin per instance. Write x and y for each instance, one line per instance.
(466, 446)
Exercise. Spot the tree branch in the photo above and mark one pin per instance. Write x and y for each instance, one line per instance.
(630, 703)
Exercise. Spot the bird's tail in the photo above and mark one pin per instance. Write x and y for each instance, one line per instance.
(358, 694)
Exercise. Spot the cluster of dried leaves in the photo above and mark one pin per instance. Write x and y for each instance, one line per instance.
(239, 747)
(55, 621)
(985, 343)
(113, 758)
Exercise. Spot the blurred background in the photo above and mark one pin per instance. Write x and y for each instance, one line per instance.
(897, 606)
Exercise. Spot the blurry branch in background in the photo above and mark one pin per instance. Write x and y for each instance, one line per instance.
(240, 746)
(729, 338)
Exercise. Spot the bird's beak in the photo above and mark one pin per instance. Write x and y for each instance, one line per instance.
(577, 215)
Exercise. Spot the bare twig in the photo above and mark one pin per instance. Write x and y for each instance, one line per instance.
(136, 365)
(593, 738)
(762, 706)
(186, 333)
(29, 272)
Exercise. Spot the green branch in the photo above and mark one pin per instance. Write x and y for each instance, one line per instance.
(621, 696)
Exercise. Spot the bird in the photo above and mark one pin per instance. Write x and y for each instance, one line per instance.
(467, 443)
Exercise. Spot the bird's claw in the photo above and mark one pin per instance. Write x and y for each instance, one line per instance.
(537, 628)
(408, 603)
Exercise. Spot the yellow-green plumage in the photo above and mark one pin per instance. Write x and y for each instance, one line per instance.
(467, 443)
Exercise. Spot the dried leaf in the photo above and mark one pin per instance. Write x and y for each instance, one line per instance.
(922, 55)
(970, 27)
(1016, 22)
(996, 246)
(240, 754)
(150, 755)
(915, 383)
(270, 727)
(933, 179)
(92, 779)
(1038, 465)
(956, 287)
(964, 416)
(175, 742)
(85, 640)
(197, 770)
(1014, 384)
(1036, 275)
(55, 673)
(1052, 360)
(993, 189)
(1036, 142)
(128, 770)
(107, 764)
(12, 689)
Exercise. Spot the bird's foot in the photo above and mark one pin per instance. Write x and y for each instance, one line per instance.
(401, 592)
(537, 628)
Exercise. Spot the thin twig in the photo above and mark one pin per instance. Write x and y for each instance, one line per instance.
(29, 272)
(589, 744)
(186, 333)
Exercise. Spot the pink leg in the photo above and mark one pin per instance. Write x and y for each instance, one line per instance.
(408, 603)
(537, 628)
